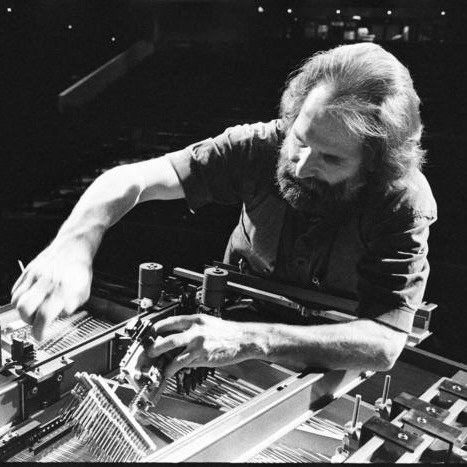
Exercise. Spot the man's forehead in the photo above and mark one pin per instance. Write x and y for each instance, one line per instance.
(315, 123)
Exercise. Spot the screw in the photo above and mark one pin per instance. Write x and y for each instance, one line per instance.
(34, 390)
(421, 420)
(59, 378)
(403, 436)
(456, 387)
(431, 410)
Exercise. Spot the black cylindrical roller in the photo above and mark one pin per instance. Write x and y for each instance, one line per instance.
(214, 287)
(150, 281)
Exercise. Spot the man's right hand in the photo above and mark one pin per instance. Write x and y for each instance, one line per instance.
(57, 281)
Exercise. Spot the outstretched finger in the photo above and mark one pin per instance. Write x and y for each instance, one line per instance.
(173, 324)
(162, 345)
(20, 280)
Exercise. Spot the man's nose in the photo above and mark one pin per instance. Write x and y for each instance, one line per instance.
(305, 163)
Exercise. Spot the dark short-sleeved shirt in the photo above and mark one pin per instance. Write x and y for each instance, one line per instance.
(374, 250)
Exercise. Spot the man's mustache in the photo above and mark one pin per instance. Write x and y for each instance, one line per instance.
(309, 183)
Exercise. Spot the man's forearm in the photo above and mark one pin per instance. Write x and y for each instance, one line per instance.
(106, 201)
(360, 344)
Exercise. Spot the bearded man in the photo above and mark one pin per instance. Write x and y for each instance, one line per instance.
(332, 198)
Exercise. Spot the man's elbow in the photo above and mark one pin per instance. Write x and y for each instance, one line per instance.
(391, 346)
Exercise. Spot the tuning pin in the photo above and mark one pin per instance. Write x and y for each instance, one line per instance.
(383, 405)
(352, 429)
(351, 440)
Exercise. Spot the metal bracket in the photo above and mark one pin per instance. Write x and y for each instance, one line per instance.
(389, 432)
(40, 386)
(454, 388)
(17, 438)
(433, 426)
(407, 401)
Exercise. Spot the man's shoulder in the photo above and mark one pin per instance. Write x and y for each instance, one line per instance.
(254, 147)
(267, 132)
(410, 197)
(239, 144)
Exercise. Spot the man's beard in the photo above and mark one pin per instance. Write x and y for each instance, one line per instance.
(311, 194)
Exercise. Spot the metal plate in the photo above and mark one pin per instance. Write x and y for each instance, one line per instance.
(432, 426)
(455, 388)
(389, 432)
(408, 401)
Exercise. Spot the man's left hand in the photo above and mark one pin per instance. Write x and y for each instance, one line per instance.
(203, 340)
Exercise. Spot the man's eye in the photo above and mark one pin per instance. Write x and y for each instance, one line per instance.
(299, 142)
(330, 159)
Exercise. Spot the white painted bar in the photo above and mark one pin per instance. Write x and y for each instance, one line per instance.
(91, 85)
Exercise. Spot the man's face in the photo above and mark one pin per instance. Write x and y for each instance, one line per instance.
(320, 162)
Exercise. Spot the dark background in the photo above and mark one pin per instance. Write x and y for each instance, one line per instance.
(216, 64)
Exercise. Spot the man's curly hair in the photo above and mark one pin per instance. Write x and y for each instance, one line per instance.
(373, 96)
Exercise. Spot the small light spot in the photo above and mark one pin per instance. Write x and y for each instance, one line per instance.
(260, 9)
(338, 12)
(113, 39)
(9, 10)
(443, 13)
(289, 11)
(70, 26)
(389, 12)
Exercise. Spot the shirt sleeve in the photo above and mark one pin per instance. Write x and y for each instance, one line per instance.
(392, 275)
(228, 168)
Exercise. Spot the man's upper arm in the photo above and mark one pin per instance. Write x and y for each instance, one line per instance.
(394, 271)
(212, 170)
(393, 276)
(229, 168)
(157, 179)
